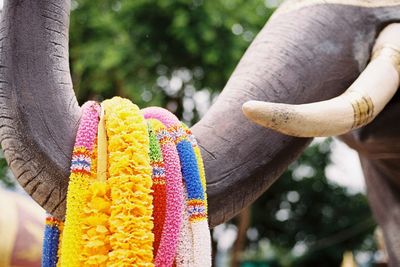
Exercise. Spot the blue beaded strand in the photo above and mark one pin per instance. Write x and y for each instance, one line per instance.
(50, 242)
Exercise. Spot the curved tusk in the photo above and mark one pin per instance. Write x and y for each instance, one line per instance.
(356, 107)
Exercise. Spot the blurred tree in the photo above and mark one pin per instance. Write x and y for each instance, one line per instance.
(6, 178)
(160, 52)
(310, 220)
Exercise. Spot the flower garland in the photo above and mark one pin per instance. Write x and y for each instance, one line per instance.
(130, 181)
(78, 184)
(201, 231)
(159, 182)
(195, 202)
(185, 255)
(96, 211)
(52, 232)
(196, 207)
(174, 191)
(185, 252)
(59, 246)
(200, 163)
(136, 197)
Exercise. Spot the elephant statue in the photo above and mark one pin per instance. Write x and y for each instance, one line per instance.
(310, 50)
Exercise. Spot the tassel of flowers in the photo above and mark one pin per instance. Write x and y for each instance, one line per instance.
(159, 184)
(81, 173)
(130, 181)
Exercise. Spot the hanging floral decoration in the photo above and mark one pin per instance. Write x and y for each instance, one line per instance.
(159, 184)
(136, 195)
(194, 247)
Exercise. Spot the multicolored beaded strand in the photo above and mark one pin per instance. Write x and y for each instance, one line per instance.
(159, 184)
(195, 202)
(52, 232)
(78, 184)
(199, 213)
(174, 190)
(200, 163)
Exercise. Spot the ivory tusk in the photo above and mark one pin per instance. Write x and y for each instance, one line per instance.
(356, 107)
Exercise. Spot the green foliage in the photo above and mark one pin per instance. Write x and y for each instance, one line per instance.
(156, 51)
(6, 178)
(309, 220)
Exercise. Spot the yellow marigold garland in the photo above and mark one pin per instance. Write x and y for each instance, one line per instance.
(130, 181)
(96, 240)
(95, 226)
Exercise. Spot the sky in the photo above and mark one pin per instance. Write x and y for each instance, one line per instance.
(345, 169)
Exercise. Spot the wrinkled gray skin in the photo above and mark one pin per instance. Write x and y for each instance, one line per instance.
(305, 55)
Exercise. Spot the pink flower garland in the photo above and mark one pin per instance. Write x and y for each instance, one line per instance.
(174, 190)
(194, 247)
(71, 244)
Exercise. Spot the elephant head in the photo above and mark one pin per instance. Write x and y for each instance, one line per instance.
(310, 50)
